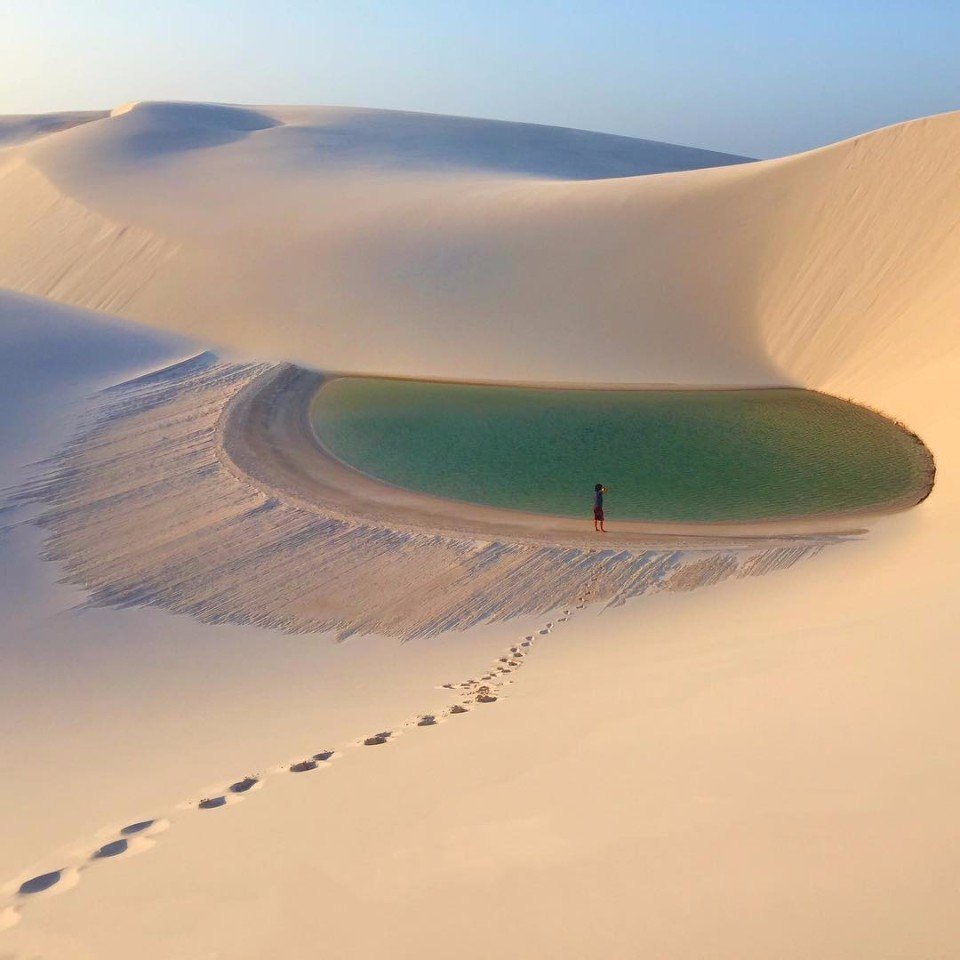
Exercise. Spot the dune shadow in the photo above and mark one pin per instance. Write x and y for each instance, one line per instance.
(357, 138)
(148, 130)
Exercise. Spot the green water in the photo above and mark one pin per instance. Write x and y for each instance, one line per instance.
(682, 455)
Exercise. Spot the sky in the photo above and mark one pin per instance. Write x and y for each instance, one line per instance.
(754, 78)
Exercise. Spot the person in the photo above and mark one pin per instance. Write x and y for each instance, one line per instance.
(598, 491)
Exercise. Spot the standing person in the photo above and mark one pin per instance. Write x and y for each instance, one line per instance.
(598, 491)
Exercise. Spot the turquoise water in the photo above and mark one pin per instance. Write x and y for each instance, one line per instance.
(681, 455)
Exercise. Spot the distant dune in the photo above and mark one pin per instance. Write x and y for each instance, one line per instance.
(19, 129)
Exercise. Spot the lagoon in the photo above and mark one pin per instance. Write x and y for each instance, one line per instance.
(666, 455)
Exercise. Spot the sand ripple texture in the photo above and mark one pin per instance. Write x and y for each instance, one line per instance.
(178, 492)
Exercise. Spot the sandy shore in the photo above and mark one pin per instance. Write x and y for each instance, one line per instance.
(268, 434)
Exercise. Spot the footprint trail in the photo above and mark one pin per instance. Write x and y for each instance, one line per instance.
(486, 688)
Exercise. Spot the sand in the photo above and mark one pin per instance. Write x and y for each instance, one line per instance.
(767, 766)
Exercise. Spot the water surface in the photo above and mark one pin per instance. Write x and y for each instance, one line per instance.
(681, 455)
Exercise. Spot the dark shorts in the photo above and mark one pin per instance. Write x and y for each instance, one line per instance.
(598, 513)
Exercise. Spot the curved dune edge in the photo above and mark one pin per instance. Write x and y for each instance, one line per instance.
(186, 491)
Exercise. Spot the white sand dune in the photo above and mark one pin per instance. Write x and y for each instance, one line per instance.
(766, 768)
(296, 235)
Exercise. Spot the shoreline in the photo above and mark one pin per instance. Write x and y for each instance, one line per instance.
(254, 437)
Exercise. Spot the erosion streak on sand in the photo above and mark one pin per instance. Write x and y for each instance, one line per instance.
(105, 264)
(145, 507)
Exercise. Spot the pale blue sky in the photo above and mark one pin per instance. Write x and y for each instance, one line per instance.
(750, 77)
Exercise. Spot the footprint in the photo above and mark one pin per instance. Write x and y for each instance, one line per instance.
(458, 709)
(323, 755)
(242, 786)
(211, 803)
(139, 827)
(48, 884)
(528, 639)
(377, 739)
(527, 642)
(303, 766)
(544, 632)
(112, 849)
(428, 720)
(38, 884)
(486, 698)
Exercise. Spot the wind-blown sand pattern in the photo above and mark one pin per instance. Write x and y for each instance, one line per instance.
(151, 506)
(87, 254)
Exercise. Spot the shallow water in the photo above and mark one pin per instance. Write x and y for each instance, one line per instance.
(683, 455)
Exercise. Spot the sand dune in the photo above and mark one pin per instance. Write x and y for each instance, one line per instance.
(765, 768)
(296, 235)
